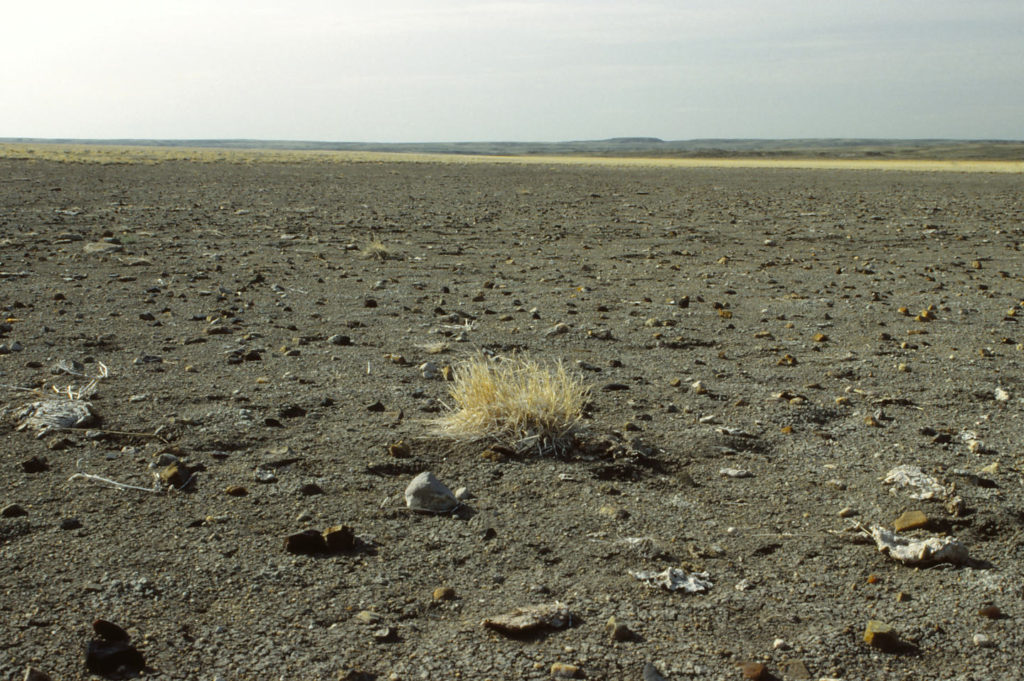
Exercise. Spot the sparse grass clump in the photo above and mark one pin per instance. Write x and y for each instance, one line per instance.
(516, 401)
(375, 248)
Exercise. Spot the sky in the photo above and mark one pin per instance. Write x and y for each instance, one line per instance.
(518, 70)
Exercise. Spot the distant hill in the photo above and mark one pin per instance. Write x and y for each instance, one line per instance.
(924, 149)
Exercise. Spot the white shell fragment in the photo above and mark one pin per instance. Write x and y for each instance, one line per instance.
(674, 579)
(549, 615)
(427, 493)
(921, 485)
(923, 552)
(57, 414)
(735, 473)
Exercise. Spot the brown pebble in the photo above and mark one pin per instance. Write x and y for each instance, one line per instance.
(235, 491)
(911, 520)
(880, 635)
(174, 475)
(400, 450)
(306, 543)
(991, 611)
(339, 538)
(754, 670)
(444, 593)
(560, 670)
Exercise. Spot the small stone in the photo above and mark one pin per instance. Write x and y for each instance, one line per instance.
(427, 493)
(650, 673)
(108, 631)
(386, 634)
(35, 465)
(70, 523)
(175, 475)
(1001, 395)
(400, 450)
(264, 475)
(339, 538)
(990, 611)
(305, 543)
(880, 635)
(113, 657)
(557, 329)
(235, 491)
(735, 473)
(795, 669)
(376, 407)
(13, 511)
(613, 512)
(820, 338)
(33, 674)
(699, 388)
(847, 512)
(618, 631)
(444, 593)
(560, 670)
(368, 617)
(311, 489)
(339, 339)
(429, 371)
(911, 520)
(754, 671)
(983, 641)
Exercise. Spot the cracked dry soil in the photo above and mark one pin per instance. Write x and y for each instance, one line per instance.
(249, 331)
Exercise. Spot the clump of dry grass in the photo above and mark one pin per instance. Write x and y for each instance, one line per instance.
(375, 248)
(517, 401)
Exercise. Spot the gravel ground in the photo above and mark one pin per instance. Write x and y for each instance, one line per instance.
(763, 347)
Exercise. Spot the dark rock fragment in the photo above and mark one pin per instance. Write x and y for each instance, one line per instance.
(305, 543)
(35, 465)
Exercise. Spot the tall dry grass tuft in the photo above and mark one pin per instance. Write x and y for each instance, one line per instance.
(516, 401)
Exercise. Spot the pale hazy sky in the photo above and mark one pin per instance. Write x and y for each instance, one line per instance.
(531, 70)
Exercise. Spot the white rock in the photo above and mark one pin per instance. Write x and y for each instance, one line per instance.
(1001, 395)
(427, 493)
(924, 552)
(982, 641)
(429, 371)
(922, 486)
(674, 579)
(735, 473)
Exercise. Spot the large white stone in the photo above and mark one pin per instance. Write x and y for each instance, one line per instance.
(427, 493)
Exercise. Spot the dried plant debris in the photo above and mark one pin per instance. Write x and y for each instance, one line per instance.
(921, 552)
(675, 579)
(526, 620)
(46, 416)
(918, 484)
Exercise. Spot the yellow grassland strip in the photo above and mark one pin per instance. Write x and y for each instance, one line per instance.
(148, 155)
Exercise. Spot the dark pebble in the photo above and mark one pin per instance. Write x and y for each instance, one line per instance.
(113, 657)
(35, 465)
(305, 543)
(339, 538)
(310, 489)
(291, 411)
(13, 511)
(70, 523)
(108, 631)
